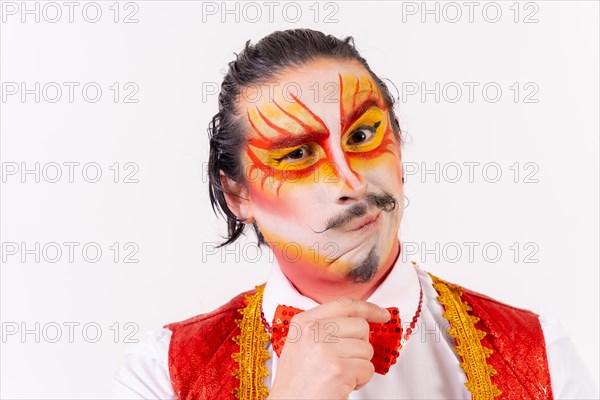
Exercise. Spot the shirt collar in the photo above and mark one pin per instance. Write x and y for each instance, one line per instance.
(399, 289)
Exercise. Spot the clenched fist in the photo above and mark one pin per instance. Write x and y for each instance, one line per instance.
(331, 354)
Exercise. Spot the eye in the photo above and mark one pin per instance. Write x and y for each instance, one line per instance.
(298, 154)
(363, 134)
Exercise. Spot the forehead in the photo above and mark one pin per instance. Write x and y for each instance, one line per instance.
(318, 85)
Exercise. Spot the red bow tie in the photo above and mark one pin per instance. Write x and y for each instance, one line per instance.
(385, 338)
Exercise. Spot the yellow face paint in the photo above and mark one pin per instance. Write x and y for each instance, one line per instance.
(313, 156)
(367, 132)
(289, 142)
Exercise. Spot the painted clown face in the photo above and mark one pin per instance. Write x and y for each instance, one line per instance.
(323, 172)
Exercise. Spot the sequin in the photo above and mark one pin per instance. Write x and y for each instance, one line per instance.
(201, 348)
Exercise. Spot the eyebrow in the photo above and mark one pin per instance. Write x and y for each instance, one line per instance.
(373, 100)
(287, 139)
(348, 119)
(290, 141)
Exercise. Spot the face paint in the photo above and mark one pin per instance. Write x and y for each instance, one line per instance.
(321, 170)
(364, 119)
(286, 146)
(289, 147)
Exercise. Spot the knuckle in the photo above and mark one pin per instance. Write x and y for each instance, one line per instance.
(370, 352)
(320, 351)
(364, 326)
(370, 368)
(335, 370)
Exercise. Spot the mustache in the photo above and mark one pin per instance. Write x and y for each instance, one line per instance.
(385, 202)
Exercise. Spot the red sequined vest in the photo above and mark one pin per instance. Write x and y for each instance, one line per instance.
(201, 363)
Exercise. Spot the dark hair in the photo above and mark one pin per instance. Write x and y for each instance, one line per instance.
(257, 64)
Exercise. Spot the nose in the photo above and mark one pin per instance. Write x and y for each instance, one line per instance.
(352, 186)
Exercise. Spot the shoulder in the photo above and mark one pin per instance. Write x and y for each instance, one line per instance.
(201, 349)
(491, 315)
(476, 299)
(204, 335)
(222, 315)
(144, 370)
(145, 373)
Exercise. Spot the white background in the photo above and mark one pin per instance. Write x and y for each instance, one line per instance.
(172, 55)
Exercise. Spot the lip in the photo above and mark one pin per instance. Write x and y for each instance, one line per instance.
(366, 223)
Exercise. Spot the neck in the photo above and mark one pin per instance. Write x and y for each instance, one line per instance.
(325, 290)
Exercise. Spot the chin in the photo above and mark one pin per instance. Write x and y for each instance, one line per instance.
(352, 259)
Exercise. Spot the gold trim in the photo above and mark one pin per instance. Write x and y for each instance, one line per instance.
(468, 341)
(253, 352)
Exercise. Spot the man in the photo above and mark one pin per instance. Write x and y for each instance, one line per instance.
(306, 148)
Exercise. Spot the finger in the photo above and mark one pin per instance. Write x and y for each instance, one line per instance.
(361, 369)
(348, 348)
(345, 327)
(345, 307)
(355, 348)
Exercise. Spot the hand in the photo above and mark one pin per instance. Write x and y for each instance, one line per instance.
(327, 354)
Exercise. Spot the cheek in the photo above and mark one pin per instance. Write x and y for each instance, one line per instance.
(266, 202)
(302, 254)
(289, 212)
(285, 194)
(384, 171)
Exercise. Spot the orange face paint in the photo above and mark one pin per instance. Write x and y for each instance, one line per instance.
(309, 157)
(290, 143)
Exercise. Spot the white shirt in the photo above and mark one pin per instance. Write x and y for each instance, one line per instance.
(427, 367)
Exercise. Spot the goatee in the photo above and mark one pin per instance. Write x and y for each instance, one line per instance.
(367, 269)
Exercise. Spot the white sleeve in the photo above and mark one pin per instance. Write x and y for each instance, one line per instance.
(569, 377)
(144, 372)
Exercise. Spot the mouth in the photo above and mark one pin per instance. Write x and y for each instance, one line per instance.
(366, 223)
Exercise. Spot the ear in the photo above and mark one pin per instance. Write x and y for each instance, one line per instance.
(237, 198)
(403, 174)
